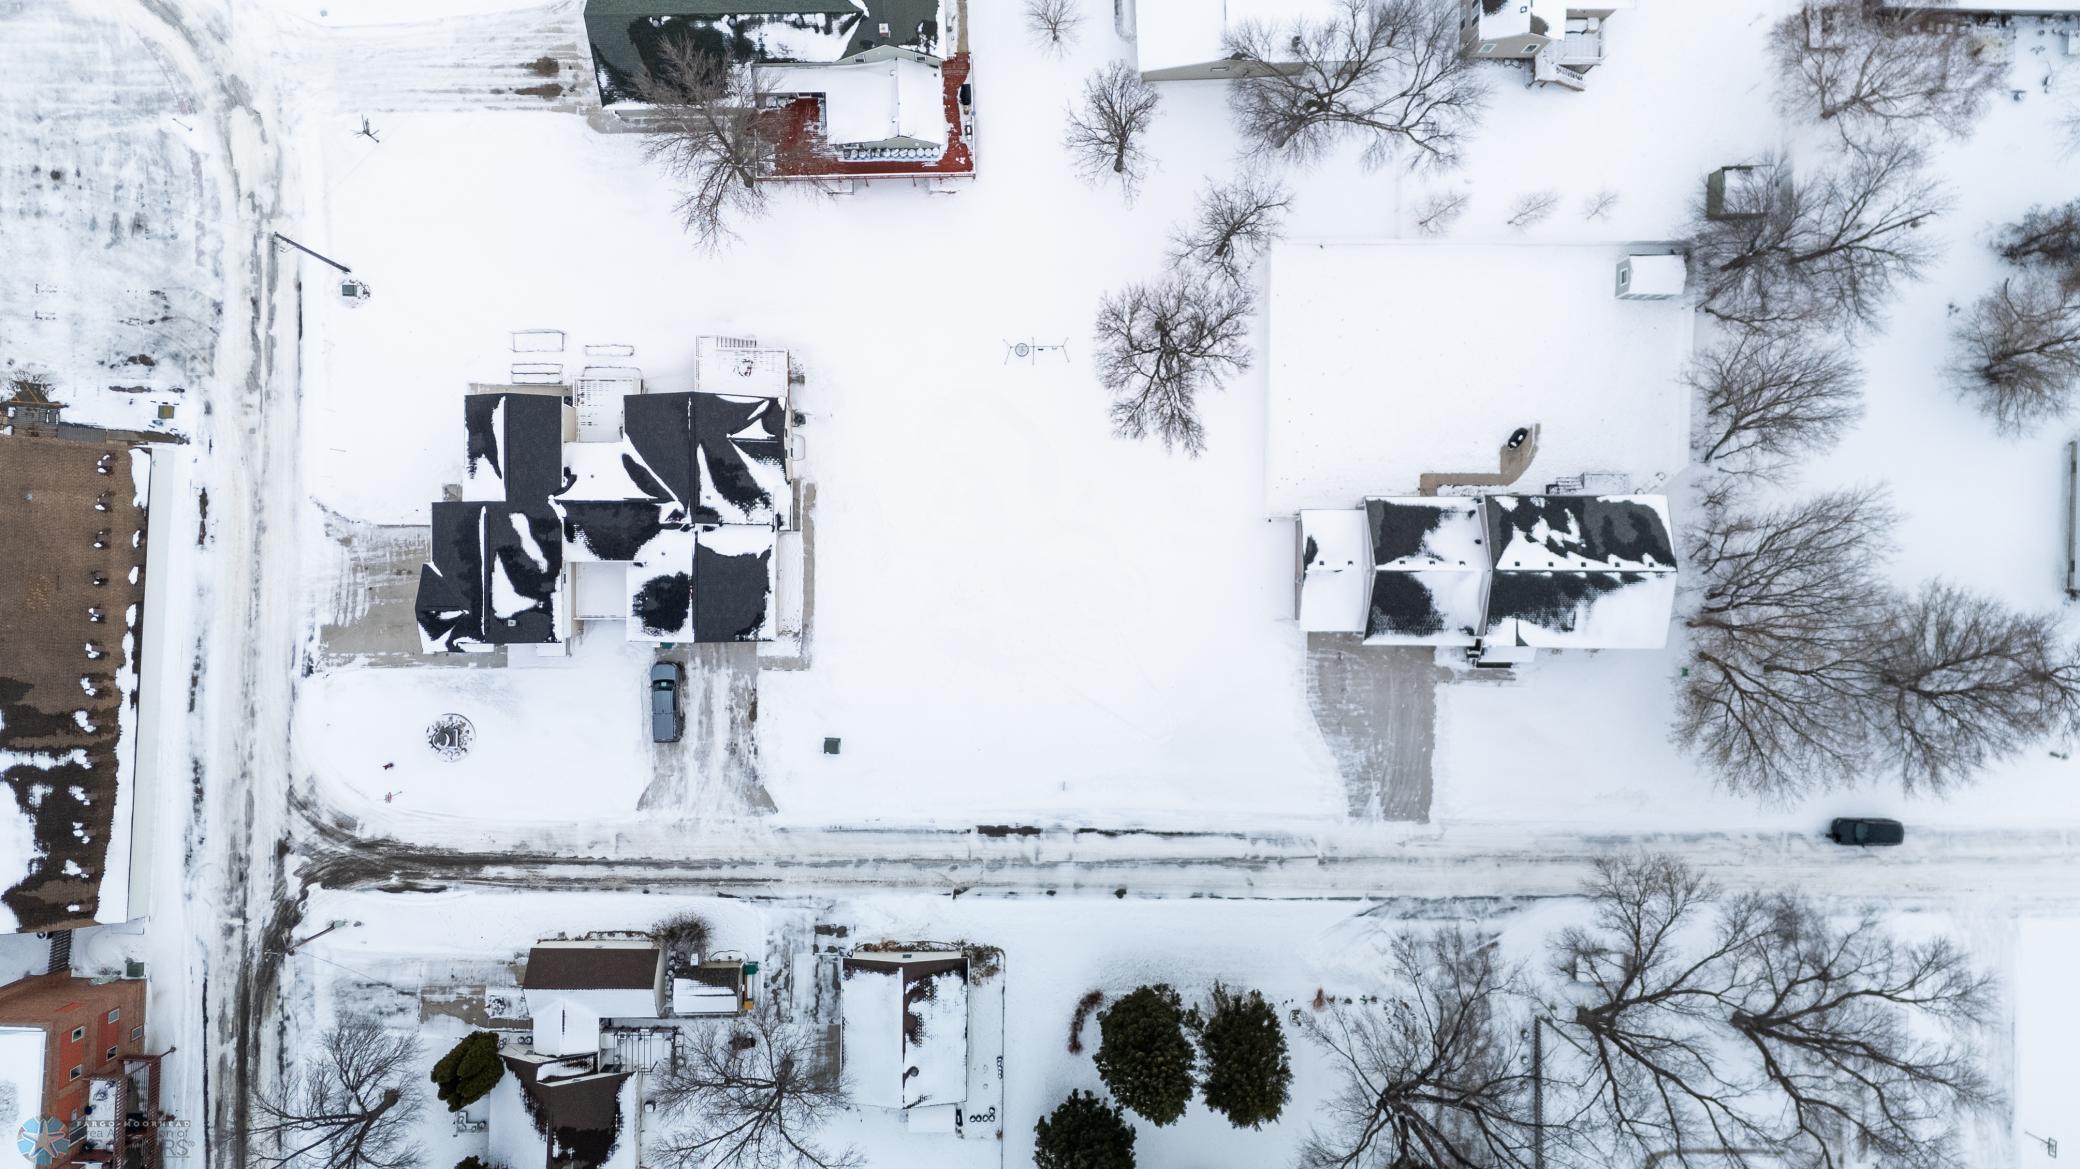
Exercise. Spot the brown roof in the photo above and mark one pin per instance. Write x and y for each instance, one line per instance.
(579, 1118)
(592, 968)
(71, 538)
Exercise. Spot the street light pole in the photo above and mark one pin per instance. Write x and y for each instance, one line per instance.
(314, 255)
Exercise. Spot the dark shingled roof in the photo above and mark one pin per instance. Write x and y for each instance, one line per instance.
(579, 1118)
(708, 464)
(627, 36)
(1611, 531)
(592, 968)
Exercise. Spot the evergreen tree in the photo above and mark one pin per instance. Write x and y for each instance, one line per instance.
(1248, 1075)
(1144, 1055)
(466, 1073)
(1083, 1132)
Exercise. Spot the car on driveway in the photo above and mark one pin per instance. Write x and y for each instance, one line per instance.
(1866, 831)
(665, 723)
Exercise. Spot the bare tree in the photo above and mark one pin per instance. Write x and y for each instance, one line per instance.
(1779, 695)
(1844, 1025)
(1598, 206)
(1389, 73)
(711, 137)
(1434, 1075)
(2019, 352)
(1827, 250)
(2046, 235)
(1160, 344)
(1440, 211)
(1237, 222)
(1760, 1030)
(1532, 208)
(1054, 23)
(1771, 396)
(748, 1093)
(1640, 1023)
(1861, 66)
(348, 1106)
(1965, 681)
(1106, 133)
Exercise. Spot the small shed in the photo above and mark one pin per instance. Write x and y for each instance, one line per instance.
(1652, 277)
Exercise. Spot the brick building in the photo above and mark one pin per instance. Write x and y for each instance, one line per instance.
(83, 1040)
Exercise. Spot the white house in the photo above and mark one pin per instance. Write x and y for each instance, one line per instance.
(1562, 39)
(1496, 573)
(666, 525)
(1184, 40)
(573, 986)
(904, 1029)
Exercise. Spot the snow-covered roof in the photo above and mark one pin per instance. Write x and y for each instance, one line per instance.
(566, 1026)
(562, 1112)
(1383, 367)
(1335, 571)
(1580, 571)
(905, 1029)
(688, 498)
(1658, 275)
(627, 36)
(726, 365)
(1428, 586)
(897, 101)
(1576, 571)
(21, 1076)
(1176, 34)
(1547, 18)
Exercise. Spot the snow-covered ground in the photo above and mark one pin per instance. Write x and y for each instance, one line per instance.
(1017, 617)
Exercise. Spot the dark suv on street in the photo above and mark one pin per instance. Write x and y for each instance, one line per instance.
(1862, 831)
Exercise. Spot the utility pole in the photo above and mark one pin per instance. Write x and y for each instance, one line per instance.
(1538, 1092)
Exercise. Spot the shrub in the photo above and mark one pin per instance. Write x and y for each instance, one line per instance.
(1083, 1132)
(1144, 1055)
(469, 1071)
(1248, 1074)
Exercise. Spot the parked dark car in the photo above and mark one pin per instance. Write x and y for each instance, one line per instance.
(665, 724)
(1864, 831)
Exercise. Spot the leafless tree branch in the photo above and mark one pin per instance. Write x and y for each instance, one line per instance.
(1862, 68)
(711, 138)
(1435, 1074)
(1771, 396)
(1827, 250)
(748, 1093)
(348, 1106)
(1389, 73)
(2019, 352)
(1236, 223)
(1107, 132)
(1160, 344)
